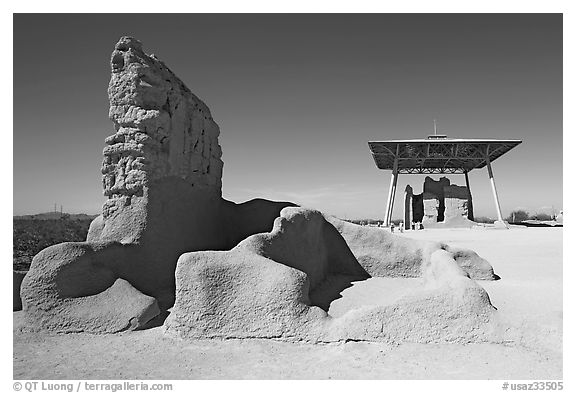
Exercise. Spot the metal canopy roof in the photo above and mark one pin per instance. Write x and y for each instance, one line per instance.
(438, 155)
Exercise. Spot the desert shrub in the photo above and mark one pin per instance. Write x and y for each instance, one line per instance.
(483, 220)
(365, 221)
(518, 215)
(541, 217)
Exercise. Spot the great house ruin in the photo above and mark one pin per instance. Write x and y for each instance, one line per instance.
(441, 202)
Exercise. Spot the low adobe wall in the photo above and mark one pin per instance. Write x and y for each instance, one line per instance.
(261, 289)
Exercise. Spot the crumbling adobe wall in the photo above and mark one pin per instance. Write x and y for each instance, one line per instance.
(76, 287)
(309, 243)
(245, 219)
(443, 204)
(408, 210)
(456, 200)
(162, 171)
(432, 207)
(417, 207)
(162, 130)
(435, 188)
(382, 254)
(378, 252)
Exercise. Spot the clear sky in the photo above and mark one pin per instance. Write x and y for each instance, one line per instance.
(297, 98)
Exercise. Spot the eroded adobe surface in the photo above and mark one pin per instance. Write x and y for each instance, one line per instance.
(162, 130)
(262, 288)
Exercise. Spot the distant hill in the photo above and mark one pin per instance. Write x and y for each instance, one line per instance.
(56, 216)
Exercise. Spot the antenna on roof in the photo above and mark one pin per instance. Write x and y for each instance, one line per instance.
(436, 135)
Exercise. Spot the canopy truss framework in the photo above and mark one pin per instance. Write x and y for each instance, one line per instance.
(430, 156)
(438, 155)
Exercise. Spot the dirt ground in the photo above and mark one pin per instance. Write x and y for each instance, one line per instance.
(529, 296)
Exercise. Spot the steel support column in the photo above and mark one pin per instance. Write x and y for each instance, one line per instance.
(391, 194)
(494, 192)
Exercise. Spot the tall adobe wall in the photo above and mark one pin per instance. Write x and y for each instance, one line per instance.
(162, 130)
(162, 172)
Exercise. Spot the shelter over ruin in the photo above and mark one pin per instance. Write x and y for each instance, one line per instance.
(438, 154)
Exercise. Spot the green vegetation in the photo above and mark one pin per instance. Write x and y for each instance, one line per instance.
(33, 235)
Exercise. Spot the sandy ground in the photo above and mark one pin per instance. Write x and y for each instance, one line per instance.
(529, 260)
(529, 295)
